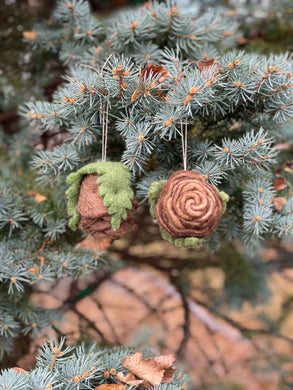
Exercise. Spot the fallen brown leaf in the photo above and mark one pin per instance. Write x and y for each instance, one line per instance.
(279, 203)
(179, 76)
(203, 64)
(145, 369)
(128, 379)
(280, 184)
(147, 372)
(166, 362)
(110, 386)
(38, 197)
(155, 71)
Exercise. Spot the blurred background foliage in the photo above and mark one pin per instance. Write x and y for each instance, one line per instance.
(266, 26)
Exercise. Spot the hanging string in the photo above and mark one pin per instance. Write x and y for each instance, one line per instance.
(105, 131)
(103, 134)
(105, 125)
(104, 120)
(184, 145)
(185, 157)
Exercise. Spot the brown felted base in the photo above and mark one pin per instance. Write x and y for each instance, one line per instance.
(94, 216)
(188, 206)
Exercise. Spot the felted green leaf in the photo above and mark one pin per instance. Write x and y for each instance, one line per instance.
(192, 242)
(114, 188)
(225, 200)
(154, 194)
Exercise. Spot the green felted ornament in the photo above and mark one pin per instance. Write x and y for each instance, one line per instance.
(100, 199)
(186, 208)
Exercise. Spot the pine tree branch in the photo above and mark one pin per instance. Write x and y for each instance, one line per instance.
(244, 330)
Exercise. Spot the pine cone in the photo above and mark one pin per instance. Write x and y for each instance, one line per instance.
(188, 206)
(94, 216)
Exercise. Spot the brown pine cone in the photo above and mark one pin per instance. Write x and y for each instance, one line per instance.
(188, 206)
(94, 216)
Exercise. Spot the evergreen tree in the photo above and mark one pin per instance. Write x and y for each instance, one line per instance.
(153, 74)
(156, 91)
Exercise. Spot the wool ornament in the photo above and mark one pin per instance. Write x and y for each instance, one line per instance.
(100, 200)
(186, 207)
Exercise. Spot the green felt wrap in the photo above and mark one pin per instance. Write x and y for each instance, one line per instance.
(114, 188)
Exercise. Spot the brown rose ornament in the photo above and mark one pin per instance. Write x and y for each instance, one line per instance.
(187, 207)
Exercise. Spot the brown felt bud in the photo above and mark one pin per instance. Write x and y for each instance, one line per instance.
(188, 206)
(94, 216)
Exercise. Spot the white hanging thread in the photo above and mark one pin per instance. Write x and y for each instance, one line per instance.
(105, 131)
(185, 157)
(103, 134)
(184, 145)
(104, 122)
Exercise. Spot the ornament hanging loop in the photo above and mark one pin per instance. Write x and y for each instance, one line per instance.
(105, 131)
(184, 144)
(104, 120)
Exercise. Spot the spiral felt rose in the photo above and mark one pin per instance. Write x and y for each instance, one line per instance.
(186, 207)
(100, 200)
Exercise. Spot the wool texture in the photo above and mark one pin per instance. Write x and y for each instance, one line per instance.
(94, 216)
(188, 206)
(111, 191)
